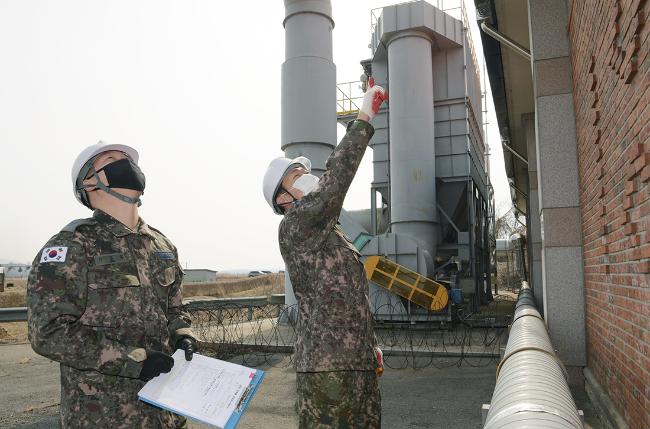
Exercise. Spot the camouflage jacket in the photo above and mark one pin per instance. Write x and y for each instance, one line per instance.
(98, 295)
(334, 329)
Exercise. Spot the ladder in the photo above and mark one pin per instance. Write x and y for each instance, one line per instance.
(408, 284)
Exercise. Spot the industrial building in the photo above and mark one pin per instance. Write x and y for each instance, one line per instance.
(570, 87)
(570, 81)
(431, 202)
(199, 275)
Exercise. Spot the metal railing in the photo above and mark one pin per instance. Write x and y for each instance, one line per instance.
(13, 314)
(349, 98)
(531, 388)
(19, 314)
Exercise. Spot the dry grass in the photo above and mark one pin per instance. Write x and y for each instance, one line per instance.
(237, 286)
(14, 296)
(13, 332)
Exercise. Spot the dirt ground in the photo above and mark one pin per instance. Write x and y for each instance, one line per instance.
(13, 332)
(230, 287)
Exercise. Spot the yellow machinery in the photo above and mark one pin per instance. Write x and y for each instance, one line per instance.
(408, 284)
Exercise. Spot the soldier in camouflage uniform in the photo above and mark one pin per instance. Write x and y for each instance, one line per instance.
(336, 351)
(104, 300)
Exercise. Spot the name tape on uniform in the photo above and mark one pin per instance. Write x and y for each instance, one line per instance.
(54, 254)
(164, 255)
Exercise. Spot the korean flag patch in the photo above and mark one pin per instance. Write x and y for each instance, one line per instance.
(54, 254)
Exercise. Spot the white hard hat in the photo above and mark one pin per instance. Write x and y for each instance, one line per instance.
(275, 173)
(89, 153)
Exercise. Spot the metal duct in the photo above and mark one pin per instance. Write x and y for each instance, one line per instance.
(412, 151)
(531, 389)
(308, 82)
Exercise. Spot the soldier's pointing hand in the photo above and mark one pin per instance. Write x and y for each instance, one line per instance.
(155, 364)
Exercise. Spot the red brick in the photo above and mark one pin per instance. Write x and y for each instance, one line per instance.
(645, 173)
(594, 117)
(591, 82)
(630, 70)
(634, 151)
(630, 187)
(641, 162)
(627, 203)
(592, 64)
(611, 75)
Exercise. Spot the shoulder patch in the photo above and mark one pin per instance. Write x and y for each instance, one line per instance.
(164, 255)
(72, 226)
(54, 254)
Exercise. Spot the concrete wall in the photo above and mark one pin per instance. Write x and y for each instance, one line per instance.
(558, 184)
(196, 276)
(610, 42)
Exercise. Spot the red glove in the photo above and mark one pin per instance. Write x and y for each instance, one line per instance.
(380, 361)
(374, 96)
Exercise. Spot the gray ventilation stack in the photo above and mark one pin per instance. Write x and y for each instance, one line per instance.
(308, 82)
(412, 150)
(308, 89)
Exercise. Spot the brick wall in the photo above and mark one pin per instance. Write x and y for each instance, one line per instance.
(609, 53)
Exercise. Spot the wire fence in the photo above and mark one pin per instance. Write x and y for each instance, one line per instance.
(256, 335)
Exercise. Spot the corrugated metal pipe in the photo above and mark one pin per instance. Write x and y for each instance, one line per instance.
(531, 389)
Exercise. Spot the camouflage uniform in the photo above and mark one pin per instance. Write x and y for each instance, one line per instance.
(335, 338)
(116, 293)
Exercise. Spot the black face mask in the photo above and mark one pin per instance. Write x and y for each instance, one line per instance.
(124, 174)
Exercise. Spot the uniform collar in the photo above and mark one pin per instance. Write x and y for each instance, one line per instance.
(118, 228)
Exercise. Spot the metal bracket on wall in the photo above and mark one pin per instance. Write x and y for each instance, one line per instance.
(515, 153)
(505, 40)
(525, 195)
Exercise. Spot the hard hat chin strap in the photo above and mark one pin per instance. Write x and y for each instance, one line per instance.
(110, 191)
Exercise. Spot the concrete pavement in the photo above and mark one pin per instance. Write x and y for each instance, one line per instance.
(449, 398)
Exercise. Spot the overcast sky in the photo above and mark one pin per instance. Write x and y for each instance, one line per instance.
(194, 85)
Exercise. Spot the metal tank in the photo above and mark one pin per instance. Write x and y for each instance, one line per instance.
(308, 82)
(308, 89)
(412, 151)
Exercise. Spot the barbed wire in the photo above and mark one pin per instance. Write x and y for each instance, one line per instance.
(256, 335)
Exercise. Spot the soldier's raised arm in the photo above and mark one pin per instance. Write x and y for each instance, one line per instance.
(323, 205)
(57, 294)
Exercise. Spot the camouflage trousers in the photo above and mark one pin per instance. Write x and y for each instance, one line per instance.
(338, 399)
(92, 400)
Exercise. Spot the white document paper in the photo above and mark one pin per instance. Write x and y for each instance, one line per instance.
(204, 389)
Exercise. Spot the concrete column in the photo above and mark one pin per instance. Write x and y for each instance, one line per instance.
(533, 224)
(558, 182)
(308, 82)
(412, 150)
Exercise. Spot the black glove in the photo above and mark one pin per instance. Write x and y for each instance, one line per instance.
(155, 364)
(188, 344)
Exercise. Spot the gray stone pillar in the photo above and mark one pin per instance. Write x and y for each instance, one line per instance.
(558, 182)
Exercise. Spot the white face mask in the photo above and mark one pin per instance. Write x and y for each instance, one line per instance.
(306, 183)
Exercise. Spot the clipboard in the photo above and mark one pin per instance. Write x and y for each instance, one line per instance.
(206, 390)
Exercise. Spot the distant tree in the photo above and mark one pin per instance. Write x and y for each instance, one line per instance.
(508, 224)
